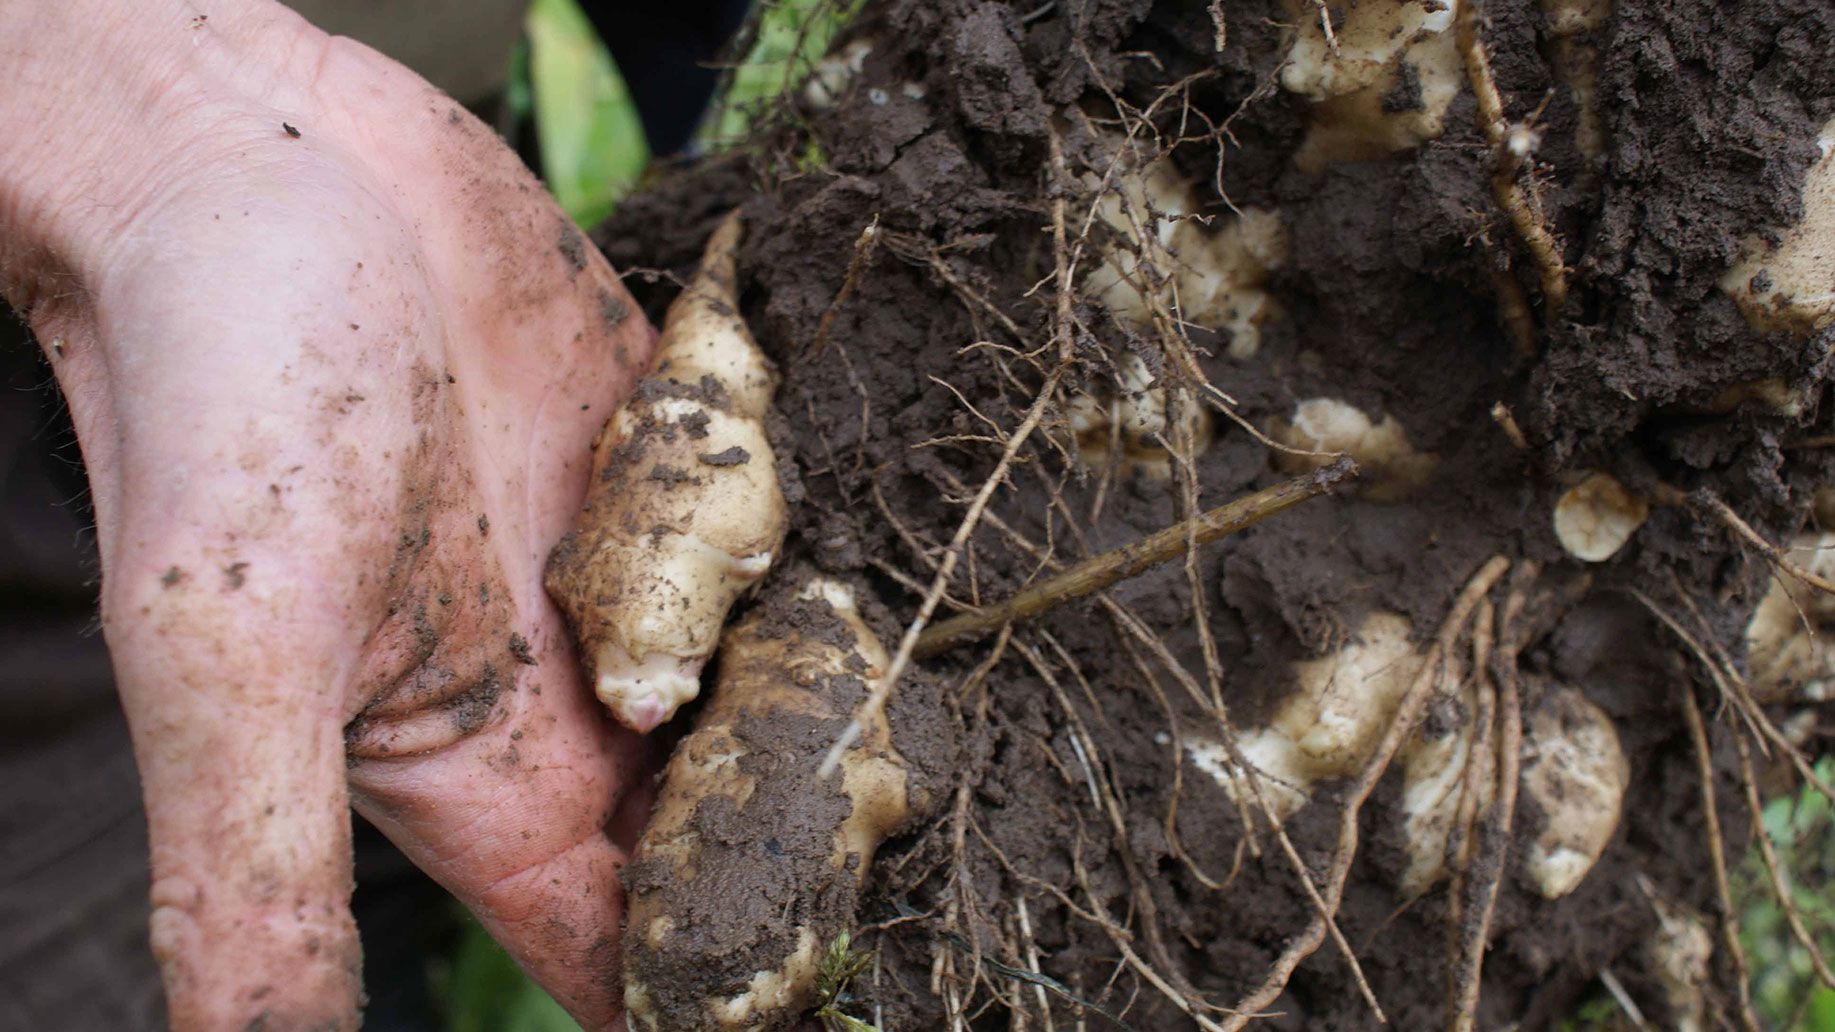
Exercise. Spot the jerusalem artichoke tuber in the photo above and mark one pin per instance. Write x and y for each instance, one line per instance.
(684, 511)
(751, 866)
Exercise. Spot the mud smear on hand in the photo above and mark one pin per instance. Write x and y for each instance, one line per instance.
(1389, 295)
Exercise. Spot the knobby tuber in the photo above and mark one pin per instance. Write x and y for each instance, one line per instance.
(684, 512)
(1381, 84)
(1574, 767)
(751, 865)
(1392, 466)
(1164, 255)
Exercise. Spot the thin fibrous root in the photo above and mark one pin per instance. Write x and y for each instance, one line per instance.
(1710, 503)
(1769, 854)
(1101, 571)
(1717, 853)
(1407, 714)
(882, 688)
(1523, 207)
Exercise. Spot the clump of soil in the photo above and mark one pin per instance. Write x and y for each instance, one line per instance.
(1078, 841)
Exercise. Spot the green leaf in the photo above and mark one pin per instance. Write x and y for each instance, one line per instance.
(487, 992)
(791, 36)
(592, 141)
(1821, 1014)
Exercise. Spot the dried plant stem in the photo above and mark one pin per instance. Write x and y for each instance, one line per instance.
(1717, 853)
(1407, 713)
(882, 688)
(1100, 571)
(864, 246)
(1521, 206)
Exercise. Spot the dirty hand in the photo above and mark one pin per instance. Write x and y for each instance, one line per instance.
(335, 363)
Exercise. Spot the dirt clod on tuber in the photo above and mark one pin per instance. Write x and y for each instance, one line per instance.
(751, 865)
(1788, 287)
(683, 513)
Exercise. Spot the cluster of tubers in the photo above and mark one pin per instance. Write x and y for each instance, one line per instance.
(684, 515)
(750, 866)
(1574, 768)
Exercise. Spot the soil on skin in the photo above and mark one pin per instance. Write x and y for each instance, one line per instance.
(1710, 113)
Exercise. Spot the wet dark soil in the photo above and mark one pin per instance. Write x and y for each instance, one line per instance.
(1709, 113)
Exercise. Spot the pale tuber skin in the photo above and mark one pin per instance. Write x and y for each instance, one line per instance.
(1790, 288)
(698, 959)
(1162, 257)
(1434, 778)
(1574, 769)
(1596, 517)
(1352, 85)
(833, 74)
(1327, 728)
(684, 512)
(1786, 652)
(1575, 772)
(1135, 416)
(1392, 467)
(1680, 953)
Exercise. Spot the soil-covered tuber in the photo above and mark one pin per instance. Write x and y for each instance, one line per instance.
(1352, 77)
(751, 866)
(1574, 770)
(684, 512)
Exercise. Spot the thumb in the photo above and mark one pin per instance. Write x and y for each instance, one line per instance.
(242, 762)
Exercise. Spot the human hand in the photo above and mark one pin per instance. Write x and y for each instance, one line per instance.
(336, 393)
